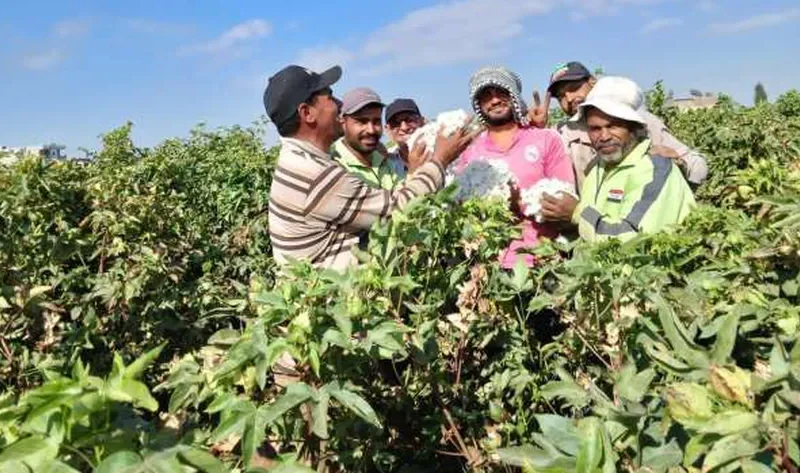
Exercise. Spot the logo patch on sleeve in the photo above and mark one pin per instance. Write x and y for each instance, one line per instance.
(616, 195)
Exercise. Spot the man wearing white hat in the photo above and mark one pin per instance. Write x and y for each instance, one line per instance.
(626, 190)
(570, 85)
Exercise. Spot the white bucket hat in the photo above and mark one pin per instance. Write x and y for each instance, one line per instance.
(618, 97)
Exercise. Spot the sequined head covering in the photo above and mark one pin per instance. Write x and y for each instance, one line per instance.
(504, 79)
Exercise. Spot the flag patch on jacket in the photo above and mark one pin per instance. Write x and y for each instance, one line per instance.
(615, 195)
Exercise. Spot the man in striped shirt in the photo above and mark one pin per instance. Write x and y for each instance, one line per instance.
(317, 210)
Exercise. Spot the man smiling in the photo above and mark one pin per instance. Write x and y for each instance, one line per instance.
(629, 189)
(570, 85)
(532, 154)
(403, 118)
(358, 150)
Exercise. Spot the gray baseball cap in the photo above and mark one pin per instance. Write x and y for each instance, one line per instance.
(359, 98)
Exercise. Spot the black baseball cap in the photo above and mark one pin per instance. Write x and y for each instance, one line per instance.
(293, 85)
(567, 73)
(400, 106)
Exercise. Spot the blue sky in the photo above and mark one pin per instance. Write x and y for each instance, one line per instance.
(73, 70)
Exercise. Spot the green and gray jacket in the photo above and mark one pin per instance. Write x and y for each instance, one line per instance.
(642, 194)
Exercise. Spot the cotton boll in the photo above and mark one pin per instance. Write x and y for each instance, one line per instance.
(484, 178)
(449, 122)
(532, 196)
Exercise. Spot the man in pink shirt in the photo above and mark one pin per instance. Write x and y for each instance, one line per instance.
(531, 153)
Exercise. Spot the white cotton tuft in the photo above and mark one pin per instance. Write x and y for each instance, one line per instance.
(484, 178)
(532, 196)
(449, 122)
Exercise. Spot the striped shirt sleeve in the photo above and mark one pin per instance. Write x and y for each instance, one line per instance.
(342, 199)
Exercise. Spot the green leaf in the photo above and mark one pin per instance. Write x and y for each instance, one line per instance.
(790, 288)
(118, 462)
(33, 451)
(56, 466)
(387, 335)
(201, 460)
(275, 349)
(255, 430)
(287, 468)
(696, 447)
(225, 337)
(633, 386)
(234, 421)
(532, 458)
(520, 281)
(320, 413)
(560, 431)
(138, 367)
(296, 394)
(661, 459)
(751, 466)
(730, 422)
(139, 394)
(569, 390)
(336, 338)
(179, 397)
(261, 368)
(590, 453)
(726, 339)
(682, 343)
(665, 359)
(727, 450)
(313, 359)
(356, 404)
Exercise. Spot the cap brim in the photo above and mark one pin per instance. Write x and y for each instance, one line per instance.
(566, 78)
(611, 108)
(400, 110)
(355, 108)
(328, 78)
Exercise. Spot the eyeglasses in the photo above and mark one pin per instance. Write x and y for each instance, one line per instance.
(395, 122)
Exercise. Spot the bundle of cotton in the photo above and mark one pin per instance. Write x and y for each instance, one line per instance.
(532, 196)
(484, 178)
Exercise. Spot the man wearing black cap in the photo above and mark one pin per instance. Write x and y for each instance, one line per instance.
(402, 120)
(570, 84)
(317, 210)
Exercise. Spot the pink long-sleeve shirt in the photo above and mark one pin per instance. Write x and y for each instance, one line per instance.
(534, 154)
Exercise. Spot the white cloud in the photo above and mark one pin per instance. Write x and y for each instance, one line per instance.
(453, 32)
(231, 42)
(43, 60)
(660, 24)
(449, 33)
(72, 28)
(318, 59)
(582, 9)
(756, 22)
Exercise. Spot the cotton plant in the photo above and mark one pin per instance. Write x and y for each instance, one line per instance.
(483, 178)
(532, 196)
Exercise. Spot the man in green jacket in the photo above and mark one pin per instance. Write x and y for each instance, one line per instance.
(626, 191)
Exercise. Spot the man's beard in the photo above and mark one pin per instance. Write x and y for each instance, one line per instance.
(361, 148)
(500, 121)
(617, 156)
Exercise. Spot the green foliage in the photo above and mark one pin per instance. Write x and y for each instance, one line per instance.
(674, 352)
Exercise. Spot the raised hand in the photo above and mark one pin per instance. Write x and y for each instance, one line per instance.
(537, 115)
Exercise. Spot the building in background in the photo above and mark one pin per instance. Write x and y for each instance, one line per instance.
(697, 102)
(50, 152)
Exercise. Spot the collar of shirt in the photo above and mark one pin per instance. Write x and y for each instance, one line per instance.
(304, 146)
(486, 142)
